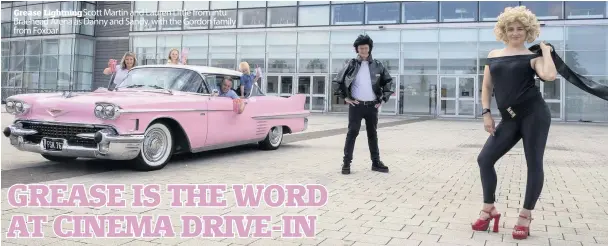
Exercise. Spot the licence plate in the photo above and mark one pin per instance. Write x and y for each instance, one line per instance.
(52, 144)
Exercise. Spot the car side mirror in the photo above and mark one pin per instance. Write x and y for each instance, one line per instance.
(215, 91)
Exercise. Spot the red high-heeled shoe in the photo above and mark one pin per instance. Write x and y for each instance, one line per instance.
(483, 225)
(521, 232)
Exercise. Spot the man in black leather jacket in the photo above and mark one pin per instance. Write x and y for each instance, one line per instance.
(364, 83)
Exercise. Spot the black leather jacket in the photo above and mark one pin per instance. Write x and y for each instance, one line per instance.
(381, 79)
(582, 82)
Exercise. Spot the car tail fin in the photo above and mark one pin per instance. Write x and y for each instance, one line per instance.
(299, 100)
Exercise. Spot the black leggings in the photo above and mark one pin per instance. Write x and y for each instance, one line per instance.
(533, 128)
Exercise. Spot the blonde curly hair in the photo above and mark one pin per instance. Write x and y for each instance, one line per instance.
(517, 14)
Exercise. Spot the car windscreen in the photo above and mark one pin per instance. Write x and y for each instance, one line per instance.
(163, 78)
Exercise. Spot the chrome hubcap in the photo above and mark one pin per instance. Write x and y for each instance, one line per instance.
(275, 135)
(155, 145)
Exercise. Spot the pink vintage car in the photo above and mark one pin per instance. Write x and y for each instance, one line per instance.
(158, 111)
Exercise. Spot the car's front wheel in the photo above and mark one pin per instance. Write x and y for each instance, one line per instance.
(273, 139)
(156, 149)
(58, 158)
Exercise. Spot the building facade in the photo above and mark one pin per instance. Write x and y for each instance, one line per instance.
(435, 51)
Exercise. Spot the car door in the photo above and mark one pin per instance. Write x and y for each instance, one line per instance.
(222, 120)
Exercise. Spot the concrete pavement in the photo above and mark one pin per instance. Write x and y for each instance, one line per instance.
(430, 197)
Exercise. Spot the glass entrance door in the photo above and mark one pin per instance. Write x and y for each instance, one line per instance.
(314, 86)
(553, 94)
(391, 106)
(456, 96)
(279, 85)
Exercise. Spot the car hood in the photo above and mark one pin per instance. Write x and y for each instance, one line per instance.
(125, 99)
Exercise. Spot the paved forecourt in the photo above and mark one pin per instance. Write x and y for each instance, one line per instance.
(430, 196)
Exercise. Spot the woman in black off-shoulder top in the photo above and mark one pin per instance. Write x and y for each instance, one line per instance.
(509, 73)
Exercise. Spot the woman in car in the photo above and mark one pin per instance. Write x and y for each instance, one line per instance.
(120, 71)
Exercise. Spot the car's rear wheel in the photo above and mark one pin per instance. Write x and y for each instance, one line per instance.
(58, 158)
(273, 139)
(156, 149)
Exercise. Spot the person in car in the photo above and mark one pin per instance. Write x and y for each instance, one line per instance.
(226, 91)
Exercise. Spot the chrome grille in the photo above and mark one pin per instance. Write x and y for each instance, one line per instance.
(67, 132)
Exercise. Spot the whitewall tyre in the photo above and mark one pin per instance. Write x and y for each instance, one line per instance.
(156, 149)
(273, 139)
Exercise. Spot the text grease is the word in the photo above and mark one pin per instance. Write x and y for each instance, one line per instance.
(149, 195)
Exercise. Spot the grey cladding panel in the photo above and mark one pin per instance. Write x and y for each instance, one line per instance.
(113, 30)
(106, 50)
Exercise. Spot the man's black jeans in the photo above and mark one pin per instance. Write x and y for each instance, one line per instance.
(357, 112)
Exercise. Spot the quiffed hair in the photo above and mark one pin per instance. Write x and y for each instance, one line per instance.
(362, 40)
(517, 14)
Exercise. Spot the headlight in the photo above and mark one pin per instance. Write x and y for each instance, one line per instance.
(17, 107)
(106, 111)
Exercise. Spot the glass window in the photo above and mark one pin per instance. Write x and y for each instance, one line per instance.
(164, 44)
(347, 14)
(313, 2)
(198, 47)
(458, 51)
(489, 11)
(585, 9)
(86, 47)
(144, 22)
(417, 93)
(36, 11)
(545, 10)
(420, 12)
(587, 38)
(385, 45)
(196, 5)
(6, 15)
(223, 5)
(281, 42)
(224, 19)
(313, 42)
(458, 11)
(420, 50)
(66, 46)
(146, 6)
(251, 43)
(6, 30)
(278, 17)
(49, 7)
(553, 35)
(581, 106)
(169, 5)
(196, 19)
(252, 18)
(281, 48)
(313, 16)
(33, 47)
(252, 4)
(282, 3)
(382, 13)
(487, 40)
(145, 50)
(587, 62)
(342, 41)
(222, 43)
(170, 21)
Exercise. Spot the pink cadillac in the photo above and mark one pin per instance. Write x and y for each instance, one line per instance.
(158, 111)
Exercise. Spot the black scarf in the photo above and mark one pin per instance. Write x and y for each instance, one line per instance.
(583, 83)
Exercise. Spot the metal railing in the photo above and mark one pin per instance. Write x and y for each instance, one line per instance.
(7, 92)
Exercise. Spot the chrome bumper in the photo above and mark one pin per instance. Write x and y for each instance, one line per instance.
(109, 146)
